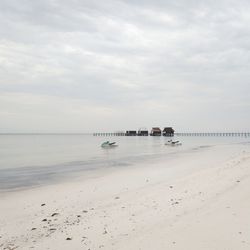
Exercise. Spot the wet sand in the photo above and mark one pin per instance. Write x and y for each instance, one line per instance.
(199, 200)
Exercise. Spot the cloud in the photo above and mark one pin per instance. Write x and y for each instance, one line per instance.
(168, 62)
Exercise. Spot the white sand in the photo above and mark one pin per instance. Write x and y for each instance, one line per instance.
(199, 200)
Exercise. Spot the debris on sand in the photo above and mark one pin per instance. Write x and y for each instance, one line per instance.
(54, 214)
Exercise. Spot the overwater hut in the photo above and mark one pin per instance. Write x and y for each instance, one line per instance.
(142, 132)
(155, 131)
(168, 131)
(131, 133)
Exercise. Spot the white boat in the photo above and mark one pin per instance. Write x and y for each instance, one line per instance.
(108, 144)
(173, 143)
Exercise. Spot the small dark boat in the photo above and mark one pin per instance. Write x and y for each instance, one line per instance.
(173, 143)
(108, 144)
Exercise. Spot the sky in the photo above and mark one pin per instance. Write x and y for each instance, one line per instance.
(80, 66)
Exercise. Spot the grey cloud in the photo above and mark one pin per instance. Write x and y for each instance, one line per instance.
(166, 56)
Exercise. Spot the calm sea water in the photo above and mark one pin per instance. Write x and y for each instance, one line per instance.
(27, 160)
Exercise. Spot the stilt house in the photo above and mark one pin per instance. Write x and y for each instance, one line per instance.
(168, 131)
(142, 132)
(131, 133)
(155, 131)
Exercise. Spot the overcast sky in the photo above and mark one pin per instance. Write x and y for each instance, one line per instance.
(91, 65)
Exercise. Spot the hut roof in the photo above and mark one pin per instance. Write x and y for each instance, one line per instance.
(156, 129)
(168, 129)
(142, 129)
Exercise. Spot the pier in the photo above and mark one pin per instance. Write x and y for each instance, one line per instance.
(110, 134)
(225, 134)
(232, 134)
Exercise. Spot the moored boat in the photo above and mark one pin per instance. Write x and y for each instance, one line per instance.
(173, 143)
(108, 144)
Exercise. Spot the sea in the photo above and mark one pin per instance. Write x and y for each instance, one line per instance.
(28, 160)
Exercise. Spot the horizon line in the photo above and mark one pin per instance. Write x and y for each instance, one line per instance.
(87, 133)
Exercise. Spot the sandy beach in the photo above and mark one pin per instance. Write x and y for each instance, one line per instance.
(199, 200)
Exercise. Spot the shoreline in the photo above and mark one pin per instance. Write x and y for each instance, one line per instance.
(193, 202)
(15, 174)
(41, 176)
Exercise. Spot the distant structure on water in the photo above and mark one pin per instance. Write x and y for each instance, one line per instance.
(155, 131)
(168, 131)
(131, 133)
(142, 132)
